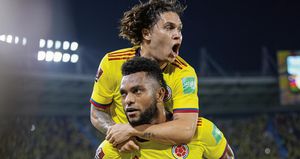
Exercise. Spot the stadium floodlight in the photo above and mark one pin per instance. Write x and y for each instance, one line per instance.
(74, 58)
(42, 43)
(57, 44)
(3, 37)
(24, 41)
(66, 45)
(49, 43)
(49, 56)
(16, 40)
(57, 56)
(74, 46)
(9, 38)
(66, 57)
(41, 55)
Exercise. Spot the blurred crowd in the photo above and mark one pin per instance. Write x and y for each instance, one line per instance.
(261, 136)
(56, 137)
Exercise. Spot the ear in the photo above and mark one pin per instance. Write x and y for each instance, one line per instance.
(160, 94)
(146, 34)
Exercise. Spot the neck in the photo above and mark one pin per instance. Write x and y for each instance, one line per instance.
(145, 52)
(161, 117)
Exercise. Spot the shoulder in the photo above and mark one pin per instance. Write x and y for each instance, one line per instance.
(181, 65)
(121, 54)
(180, 69)
(209, 131)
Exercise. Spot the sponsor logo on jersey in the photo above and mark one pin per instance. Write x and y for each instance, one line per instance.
(180, 151)
(168, 94)
(189, 85)
(217, 134)
(99, 73)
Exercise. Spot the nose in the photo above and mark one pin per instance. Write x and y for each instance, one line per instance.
(129, 99)
(177, 35)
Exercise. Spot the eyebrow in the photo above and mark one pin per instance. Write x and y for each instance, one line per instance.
(171, 23)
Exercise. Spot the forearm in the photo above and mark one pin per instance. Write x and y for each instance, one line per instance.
(177, 131)
(101, 120)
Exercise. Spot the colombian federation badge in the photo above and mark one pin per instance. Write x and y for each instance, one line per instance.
(180, 151)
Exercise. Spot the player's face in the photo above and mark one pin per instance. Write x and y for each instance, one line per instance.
(138, 98)
(165, 37)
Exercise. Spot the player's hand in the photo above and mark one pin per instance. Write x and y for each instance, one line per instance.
(128, 146)
(118, 133)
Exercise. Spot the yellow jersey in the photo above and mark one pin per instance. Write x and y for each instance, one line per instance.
(208, 142)
(181, 95)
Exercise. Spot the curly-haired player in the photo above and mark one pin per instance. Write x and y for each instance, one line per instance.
(154, 28)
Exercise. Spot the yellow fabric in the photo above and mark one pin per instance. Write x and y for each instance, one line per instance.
(208, 142)
(180, 77)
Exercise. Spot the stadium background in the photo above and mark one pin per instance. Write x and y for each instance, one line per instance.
(232, 45)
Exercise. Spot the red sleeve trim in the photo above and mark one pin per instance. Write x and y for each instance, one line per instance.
(99, 105)
(186, 110)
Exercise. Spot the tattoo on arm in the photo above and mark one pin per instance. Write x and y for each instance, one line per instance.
(148, 135)
(103, 120)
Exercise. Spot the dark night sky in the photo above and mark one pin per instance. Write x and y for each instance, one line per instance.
(233, 32)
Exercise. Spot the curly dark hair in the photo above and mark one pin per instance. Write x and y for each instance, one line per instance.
(145, 16)
(142, 64)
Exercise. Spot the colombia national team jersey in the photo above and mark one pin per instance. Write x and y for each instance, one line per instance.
(181, 79)
(208, 142)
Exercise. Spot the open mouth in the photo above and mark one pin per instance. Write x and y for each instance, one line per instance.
(175, 48)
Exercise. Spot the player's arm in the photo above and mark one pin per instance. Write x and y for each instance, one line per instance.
(100, 119)
(101, 97)
(178, 131)
(228, 153)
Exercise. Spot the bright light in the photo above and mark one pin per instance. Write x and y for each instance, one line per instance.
(2, 37)
(24, 41)
(57, 44)
(66, 57)
(57, 56)
(74, 58)
(66, 45)
(9, 39)
(49, 44)
(16, 40)
(49, 56)
(74, 46)
(42, 43)
(41, 55)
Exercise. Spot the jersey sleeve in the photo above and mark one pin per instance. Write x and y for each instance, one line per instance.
(185, 98)
(103, 89)
(212, 138)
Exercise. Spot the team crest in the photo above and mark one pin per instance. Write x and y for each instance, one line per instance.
(168, 94)
(99, 73)
(180, 151)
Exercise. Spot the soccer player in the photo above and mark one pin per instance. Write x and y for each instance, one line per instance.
(154, 28)
(143, 92)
